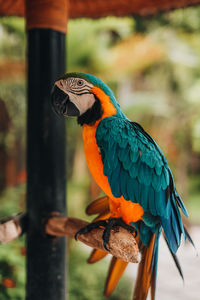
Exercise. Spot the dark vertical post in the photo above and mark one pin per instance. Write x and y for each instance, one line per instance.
(45, 165)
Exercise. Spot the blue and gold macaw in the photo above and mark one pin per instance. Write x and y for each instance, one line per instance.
(130, 168)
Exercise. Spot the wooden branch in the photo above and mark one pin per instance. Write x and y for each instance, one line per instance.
(12, 227)
(122, 244)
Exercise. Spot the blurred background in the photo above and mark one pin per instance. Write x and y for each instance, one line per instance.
(153, 66)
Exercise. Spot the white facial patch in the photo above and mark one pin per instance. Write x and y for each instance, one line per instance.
(82, 102)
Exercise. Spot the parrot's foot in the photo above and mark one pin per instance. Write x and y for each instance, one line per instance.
(108, 225)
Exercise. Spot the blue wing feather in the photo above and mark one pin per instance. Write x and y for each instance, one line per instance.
(132, 189)
(145, 194)
(152, 205)
(123, 184)
(115, 177)
(134, 155)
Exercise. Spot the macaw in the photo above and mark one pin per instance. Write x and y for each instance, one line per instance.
(130, 168)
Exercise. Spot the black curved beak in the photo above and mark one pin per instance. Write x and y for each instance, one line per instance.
(61, 103)
(59, 100)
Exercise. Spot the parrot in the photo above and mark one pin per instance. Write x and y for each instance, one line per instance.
(130, 168)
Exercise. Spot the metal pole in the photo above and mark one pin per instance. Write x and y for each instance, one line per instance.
(45, 166)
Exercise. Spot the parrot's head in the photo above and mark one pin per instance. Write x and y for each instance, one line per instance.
(84, 96)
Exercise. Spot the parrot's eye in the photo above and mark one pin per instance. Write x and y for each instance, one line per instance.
(80, 82)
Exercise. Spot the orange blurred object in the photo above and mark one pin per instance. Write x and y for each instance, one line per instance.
(23, 251)
(99, 8)
(8, 283)
(21, 177)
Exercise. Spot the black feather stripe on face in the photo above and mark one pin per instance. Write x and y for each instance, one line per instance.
(91, 115)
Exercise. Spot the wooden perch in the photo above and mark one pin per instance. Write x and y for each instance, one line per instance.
(122, 244)
(12, 227)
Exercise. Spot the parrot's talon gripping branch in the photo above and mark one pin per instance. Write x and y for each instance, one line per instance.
(108, 225)
(122, 244)
(90, 227)
(112, 223)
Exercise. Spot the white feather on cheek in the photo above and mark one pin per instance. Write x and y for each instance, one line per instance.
(82, 102)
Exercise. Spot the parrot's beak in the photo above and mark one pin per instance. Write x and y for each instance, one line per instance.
(61, 103)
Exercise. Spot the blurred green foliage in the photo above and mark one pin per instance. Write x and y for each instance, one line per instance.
(13, 93)
(13, 39)
(12, 260)
(89, 41)
(12, 201)
(194, 198)
(12, 266)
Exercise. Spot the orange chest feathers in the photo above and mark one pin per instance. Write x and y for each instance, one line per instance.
(93, 158)
(130, 212)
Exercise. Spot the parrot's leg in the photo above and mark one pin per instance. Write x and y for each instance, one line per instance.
(108, 225)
